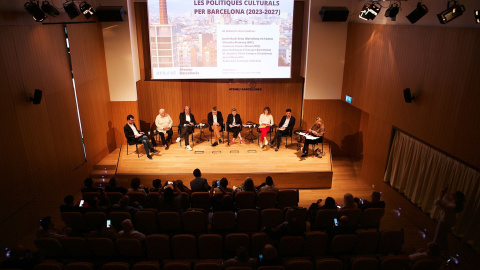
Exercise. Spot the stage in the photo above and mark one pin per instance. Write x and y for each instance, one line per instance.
(235, 162)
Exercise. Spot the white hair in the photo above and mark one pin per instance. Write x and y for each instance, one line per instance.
(162, 111)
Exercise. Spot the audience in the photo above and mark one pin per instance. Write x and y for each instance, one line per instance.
(199, 184)
(69, 205)
(88, 182)
(268, 257)
(343, 226)
(374, 203)
(222, 199)
(136, 186)
(170, 198)
(18, 258)
(124, 206)
(223, 185)
(129, 232)
(182, 187)
(288, 228)
(242, 259)
(315, 207)
(432, 251)
(112, 187)
(247, 185)
(156, 185)
(348, 202)
(48, 230)
(101, 231)
(268, 185)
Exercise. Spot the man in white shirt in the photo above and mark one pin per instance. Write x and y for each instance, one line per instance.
(285, 127)
(134, 135)
(164, 125)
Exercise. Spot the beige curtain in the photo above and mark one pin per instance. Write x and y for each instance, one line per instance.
(420, 172)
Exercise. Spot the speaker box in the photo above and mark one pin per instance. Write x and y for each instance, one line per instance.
(334, 14)
(37, 97)
(110, 14)
(407, 95)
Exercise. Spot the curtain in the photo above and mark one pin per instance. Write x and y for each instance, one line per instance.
(420, 172)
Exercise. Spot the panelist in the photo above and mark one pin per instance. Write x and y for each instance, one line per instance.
(187, 124)
(234, 124)
(133, 134)
(265, 122)
(215, 120)
(318, 129)
(164, 125)
(285, 127)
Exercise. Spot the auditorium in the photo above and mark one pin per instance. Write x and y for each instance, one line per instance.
(385, 105)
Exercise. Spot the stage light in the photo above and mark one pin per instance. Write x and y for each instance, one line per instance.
(477, 16)
(369, 12)
(392, 11)
(71, 9)
(49, 9)
(86, 9)
(417, 13)
(453, 11)
(34, 10)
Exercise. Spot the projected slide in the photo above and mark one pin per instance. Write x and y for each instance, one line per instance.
(220, 39)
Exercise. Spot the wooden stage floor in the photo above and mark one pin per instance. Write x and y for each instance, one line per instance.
(234, 162)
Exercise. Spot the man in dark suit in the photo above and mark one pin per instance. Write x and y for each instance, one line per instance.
(199, 184)
(215, 120)
(285, 127)
(187, 124)
(134, 135)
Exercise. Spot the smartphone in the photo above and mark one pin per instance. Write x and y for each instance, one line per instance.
(109, 223)
(81, 203)
(218, 183)
(260, 256)
(7, 254)
(338, 206)
(335, 221)
(361, 201)
(170, 182)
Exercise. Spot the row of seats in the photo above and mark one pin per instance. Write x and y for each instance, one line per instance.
(355, 263)
(243, 200)
(216, 247)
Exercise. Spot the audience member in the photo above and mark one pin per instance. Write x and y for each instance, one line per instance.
(182, 187)
(242, 259)
(348, 201)
(101, 231)
(288, 228)
(247, 185)
(432, 251)
(170, 198)
(223, 199)
(268, 257)
(315, 207)
(69, 205)
(88, 182)
(223, 187)
(99, 203)
(156, 185)
(112, 187)
(48, 230)
(18, 258)
(136, 186)
(374, 203)
(129, 232)
(343, 226)
(123, 205)
(199, 184)
(268, 185)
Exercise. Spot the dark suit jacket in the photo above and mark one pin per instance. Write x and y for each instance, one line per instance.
(199, 185)
(129, 132)
(291, 124)
(238, 120)
(183, 119)
(219, 119)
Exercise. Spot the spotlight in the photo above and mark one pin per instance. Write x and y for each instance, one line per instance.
(49, 9)
(34, 10)
(71, 9)
(477, 16)
(417, 13)
(369, 12)
(453, 11)
(392, 11)
(86, 9)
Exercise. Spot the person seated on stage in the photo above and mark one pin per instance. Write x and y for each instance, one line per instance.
(348, 202)
(374, 203)
(170, 198)
(123, 205)
(133, 134)
(265, 122)
(187, 124)
(224, 202)
(242, 259)
(285, 127)
(88, 182)
(136, 186)
(215, 120)
(164, 125)
(318, 129)
(247, 185)
(268, 185)
(315, 207)
(69, 205)
(223, 186)
(199, 184)
(182, 187)
(112, 186)
(234, 125)
(156, 185)
(129, 232)
(48, 230)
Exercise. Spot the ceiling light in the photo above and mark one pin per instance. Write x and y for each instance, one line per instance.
(392, 11)
(86, 9)
(34, 10)
(49, 9)
(71, 9)
(417, 13)
(369, 12)
(453, 11)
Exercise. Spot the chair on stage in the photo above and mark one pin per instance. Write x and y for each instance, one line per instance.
(289, 134)
(132, 141)
(189, 134)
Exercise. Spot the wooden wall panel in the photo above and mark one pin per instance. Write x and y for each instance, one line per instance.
(90, 73)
